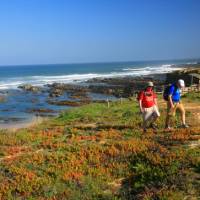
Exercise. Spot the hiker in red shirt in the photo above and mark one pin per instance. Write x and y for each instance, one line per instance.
(148, 106)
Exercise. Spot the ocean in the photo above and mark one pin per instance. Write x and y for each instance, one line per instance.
(17, 102)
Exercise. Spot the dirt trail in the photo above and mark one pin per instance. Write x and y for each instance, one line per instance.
(193, 108)
(194, 117)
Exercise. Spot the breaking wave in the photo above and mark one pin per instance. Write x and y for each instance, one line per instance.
(13, 83)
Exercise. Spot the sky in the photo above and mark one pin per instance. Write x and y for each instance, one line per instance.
(75, 31)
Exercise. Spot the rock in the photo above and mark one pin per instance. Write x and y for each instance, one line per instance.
(2, 98)
(58, 89)
(29, 87)
(67, 87)
(99, 101)
(56, 92)
(68, 103)
(41, 110)
(122, 86)
(44, 115)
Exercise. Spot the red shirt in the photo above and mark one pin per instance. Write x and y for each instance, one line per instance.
(147, 98)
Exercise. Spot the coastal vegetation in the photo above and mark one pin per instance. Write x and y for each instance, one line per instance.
(96, 152)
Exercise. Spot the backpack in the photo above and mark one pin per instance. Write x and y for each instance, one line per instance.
(166, 92)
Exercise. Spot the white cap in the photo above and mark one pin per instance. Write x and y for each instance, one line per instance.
(181, 83)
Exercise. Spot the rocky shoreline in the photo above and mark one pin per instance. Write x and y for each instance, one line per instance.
(73, 95)
(117, 86)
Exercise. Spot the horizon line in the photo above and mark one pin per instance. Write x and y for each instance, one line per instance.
(99, 62)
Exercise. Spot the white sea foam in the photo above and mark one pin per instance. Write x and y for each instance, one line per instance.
(153, 69)
(191, 63)
(13, 83)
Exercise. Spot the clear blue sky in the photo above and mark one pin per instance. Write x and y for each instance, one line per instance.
(65, 31)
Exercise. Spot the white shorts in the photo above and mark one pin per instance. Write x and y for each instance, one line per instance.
(150, 112)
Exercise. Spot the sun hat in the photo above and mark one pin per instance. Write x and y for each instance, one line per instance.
(181, 83)
(150, 84)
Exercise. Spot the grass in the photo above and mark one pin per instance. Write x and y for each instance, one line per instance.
(96, 152)
(192, 97)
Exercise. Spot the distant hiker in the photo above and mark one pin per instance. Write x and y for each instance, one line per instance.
(172, 95)
(148, 106)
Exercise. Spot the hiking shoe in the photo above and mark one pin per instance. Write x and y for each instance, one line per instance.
(184, 126)
(153, 126)
(168, 128)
